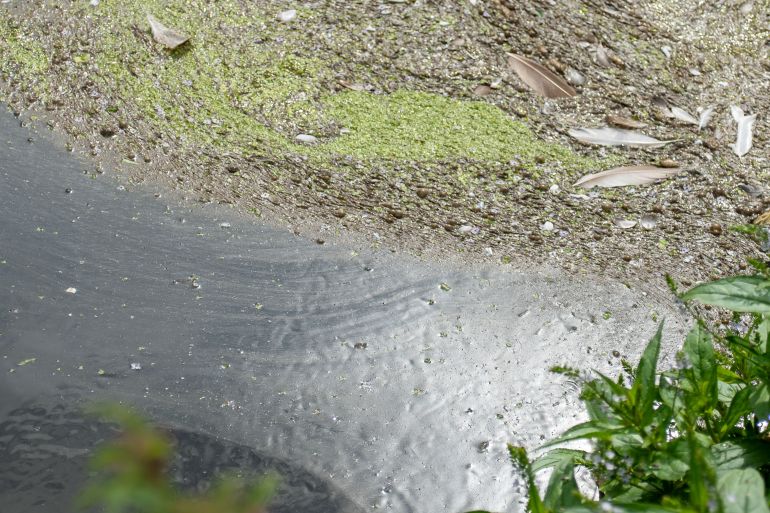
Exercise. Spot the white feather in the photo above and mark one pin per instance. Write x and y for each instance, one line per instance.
(743, 140)
(683, 115)
(737, 113)
(615, 137)
(621, 176)
(705, 117)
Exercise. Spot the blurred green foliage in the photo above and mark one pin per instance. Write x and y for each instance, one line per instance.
(130, 476)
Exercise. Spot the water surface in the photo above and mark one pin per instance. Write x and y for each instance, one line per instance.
(388, 382)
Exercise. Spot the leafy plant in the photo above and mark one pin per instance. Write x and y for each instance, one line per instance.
(130, 476)
(693, 439)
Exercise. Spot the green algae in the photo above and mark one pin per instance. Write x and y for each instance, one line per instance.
(240, 86)
(22, 56)
(429, 127)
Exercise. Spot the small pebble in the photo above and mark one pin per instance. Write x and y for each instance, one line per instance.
(547, 226)
(648, 222)
(624, 224)
(574, 77)
(71, 290)
(306, 138)
(715, 229)
(287, 16)
(668, 163)
(136, 366)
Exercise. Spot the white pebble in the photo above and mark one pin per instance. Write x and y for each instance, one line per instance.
(71, 290)
(547, 226)
(287, 16)
(306, 138)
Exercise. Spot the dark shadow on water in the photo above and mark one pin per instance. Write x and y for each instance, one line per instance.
(45, 451)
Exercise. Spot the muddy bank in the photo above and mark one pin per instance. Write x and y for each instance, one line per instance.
(395, 382)
(405, 154)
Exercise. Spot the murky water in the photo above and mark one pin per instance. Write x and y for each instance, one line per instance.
(393, 382)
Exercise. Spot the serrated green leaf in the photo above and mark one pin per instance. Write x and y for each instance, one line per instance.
(556, 457)
(699, 350)
(587, 430)
(739, 294)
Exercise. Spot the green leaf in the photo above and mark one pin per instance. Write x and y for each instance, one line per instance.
(562, 488)
(763, 334)
(742, 491)
(521, 461)
(673, 462)
(587, 430)
(702, 476)
(741, 453)
(740, 405)
(699, 350)
(739, 294)
(644, 390)
(727, 391)
(556, 457)
(760, 401)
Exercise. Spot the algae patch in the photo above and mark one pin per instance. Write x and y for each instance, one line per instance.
(429, 127)
(244, 85)
(21, 57)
